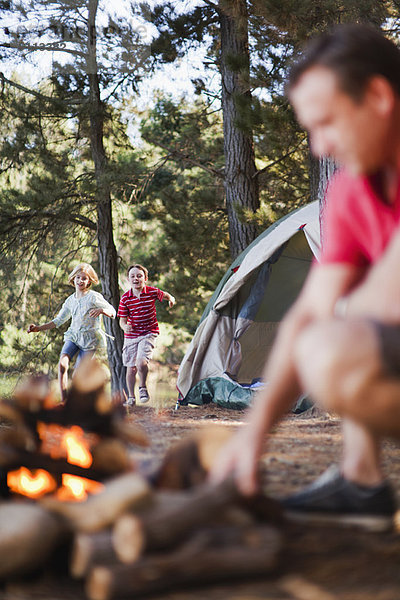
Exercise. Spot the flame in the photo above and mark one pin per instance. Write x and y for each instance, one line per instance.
(77, 451)
(72, 444)
(77, 488)
(33, 484)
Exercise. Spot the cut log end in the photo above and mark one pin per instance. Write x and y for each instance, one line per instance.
(128, 538)
(99, 584)
(81, 555)
(89, 376)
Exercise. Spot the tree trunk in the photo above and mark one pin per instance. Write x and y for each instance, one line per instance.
(108, 258)
(321, 170)
(241, 184)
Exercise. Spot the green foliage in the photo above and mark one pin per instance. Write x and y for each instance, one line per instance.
(168, 190)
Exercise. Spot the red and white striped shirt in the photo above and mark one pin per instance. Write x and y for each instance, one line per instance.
(140, 311)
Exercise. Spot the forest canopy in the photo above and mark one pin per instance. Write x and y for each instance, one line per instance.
(180, 183)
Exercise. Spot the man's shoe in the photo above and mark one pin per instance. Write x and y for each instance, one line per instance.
(334, 499)
(143, 395)
(130, 401)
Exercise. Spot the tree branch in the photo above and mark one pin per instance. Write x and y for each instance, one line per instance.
(26, 90)
(277, 161)
(41, 47)
(178, 155)
(72, 218)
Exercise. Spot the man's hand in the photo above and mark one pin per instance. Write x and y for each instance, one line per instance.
(238, 458)
(33, 328)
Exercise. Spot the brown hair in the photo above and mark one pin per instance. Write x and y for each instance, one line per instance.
(145, 271)
(355, 53)
(84, 268)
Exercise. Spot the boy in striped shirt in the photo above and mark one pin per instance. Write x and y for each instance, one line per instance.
(138, 318)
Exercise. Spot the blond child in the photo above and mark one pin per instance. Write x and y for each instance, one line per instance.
(84, 307)
(138, 318)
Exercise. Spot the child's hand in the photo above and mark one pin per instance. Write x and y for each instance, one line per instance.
(171, 301)
(33, 328)
(95, 312)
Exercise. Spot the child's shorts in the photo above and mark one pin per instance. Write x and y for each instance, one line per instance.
(72, 349)
(138, 348)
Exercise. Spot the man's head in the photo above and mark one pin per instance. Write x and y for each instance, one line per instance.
(345, 89)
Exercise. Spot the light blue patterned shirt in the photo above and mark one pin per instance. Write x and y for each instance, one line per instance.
(84, 331)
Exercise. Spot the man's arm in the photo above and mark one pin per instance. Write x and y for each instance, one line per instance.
(378, 295)
(324, 285)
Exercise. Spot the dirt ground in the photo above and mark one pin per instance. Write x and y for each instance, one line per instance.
(317, 563)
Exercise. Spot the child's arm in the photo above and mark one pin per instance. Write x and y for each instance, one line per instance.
(33, 328)
(170, 298)
(125, 326)
(96, 312)
(103, 308)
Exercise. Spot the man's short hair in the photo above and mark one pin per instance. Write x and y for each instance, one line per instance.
(355, 53)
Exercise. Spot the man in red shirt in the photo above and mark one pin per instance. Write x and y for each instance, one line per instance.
(138, 318)
(340, 342)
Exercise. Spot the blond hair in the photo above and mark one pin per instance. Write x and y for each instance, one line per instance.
(84, 268)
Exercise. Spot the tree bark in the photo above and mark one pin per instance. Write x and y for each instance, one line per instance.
(241, 184)
(321, 170)
(108, 258)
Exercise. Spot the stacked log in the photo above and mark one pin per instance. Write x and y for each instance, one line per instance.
(140, 533)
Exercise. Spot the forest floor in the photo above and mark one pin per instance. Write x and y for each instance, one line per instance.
(317, 563)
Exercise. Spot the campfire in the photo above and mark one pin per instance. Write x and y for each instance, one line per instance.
(68, 479)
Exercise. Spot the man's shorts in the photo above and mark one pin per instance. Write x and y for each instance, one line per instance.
(72, 349)
(389, 339)
(137, 349)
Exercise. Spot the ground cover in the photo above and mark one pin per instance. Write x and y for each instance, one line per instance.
(317, 563)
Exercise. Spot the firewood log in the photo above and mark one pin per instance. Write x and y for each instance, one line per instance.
(28, 535)
(33, 392)
(110, 455)
(129, 432)
(101, 510)
(89, 550)
(209, 556)
(187, 462)
(166, 523)
(87, 391)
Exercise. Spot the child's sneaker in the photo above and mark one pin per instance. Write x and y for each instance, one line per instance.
(130, 401)
(143, 395)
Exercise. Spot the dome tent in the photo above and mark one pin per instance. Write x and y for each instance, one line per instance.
(226, 357)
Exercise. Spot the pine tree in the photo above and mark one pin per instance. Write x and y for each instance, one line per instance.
(99, 60)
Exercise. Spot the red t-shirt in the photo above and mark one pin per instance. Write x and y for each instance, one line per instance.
(358, 223)
(140, 312)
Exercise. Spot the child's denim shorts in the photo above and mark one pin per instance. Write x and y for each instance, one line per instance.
(72, 349)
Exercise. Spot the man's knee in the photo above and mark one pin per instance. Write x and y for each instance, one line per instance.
(335, 360)
(317, 356)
